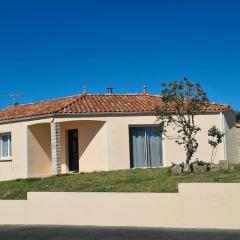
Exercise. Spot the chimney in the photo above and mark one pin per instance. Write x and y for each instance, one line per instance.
(84, 90)
(145, 89)
(109, 90)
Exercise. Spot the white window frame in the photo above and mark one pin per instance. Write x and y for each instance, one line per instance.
(9, 157)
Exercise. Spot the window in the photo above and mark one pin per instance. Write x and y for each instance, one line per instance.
(5, 146)
(145, 146)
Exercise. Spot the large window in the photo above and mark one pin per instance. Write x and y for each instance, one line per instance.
(5, 146)
(145, 147)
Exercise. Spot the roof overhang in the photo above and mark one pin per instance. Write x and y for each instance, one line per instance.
(90, 115)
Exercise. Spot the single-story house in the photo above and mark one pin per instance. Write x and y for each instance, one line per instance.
(95, 132)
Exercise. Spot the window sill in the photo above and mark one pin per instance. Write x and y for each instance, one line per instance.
(5, 159)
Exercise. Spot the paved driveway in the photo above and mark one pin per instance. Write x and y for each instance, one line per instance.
(109, 233)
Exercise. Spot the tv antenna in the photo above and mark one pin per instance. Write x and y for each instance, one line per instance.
(14, 96)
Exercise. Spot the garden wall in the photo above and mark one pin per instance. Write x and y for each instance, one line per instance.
(200, 205)
(238, 142)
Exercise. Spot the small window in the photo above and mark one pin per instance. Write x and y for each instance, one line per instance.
(5, 146)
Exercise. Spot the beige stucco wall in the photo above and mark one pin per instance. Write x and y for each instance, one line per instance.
(118, 137)
(13, 211)
(17, 167)
(39, 150)
(103, 143)
(196, 205)
(230, 136)
(238, 141)
(92, 142)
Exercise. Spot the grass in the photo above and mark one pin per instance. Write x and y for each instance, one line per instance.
(147, 180)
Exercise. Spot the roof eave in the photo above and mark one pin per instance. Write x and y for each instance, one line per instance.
(94, 114)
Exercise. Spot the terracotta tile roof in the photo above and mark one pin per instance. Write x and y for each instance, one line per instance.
(92, 103)
(35, 109)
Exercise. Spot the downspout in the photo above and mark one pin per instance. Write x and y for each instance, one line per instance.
(222, 117)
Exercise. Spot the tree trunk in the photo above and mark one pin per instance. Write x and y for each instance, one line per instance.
(189, 157)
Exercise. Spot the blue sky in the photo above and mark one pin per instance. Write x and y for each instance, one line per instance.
(51, 49)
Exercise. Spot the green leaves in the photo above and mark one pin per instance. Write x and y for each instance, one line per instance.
(216, 138)
(182, 101)
(216, 135)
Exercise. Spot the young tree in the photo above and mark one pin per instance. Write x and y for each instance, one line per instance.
(182, 101)
(216, 138)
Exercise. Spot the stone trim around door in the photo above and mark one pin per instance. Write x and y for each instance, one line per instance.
(56, 148)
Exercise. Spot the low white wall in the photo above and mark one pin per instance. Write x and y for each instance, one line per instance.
(13, 212)
(201, 205)
(238, 142)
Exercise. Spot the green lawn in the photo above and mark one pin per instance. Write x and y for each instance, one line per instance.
(147, 180)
